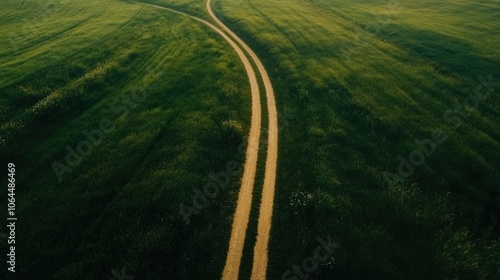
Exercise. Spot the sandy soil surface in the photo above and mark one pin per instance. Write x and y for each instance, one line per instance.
(260, 258)
(244, 202)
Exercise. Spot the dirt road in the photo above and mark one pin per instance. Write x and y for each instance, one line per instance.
(244, 202)
(260, 257)
(242, 213)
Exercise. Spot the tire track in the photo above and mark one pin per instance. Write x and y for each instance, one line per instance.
(244, 203)
(260, 257)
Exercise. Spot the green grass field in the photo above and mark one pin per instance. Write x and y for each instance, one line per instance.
(152, 102)
(173, 99)
(365, 79)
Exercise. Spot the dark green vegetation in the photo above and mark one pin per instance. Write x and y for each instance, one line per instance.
(177, 100)
(364, 80)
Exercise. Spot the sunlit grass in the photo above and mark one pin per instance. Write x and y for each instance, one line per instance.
(365, 82)
(175, 101)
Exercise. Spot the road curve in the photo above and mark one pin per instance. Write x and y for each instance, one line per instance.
(244, 203)
(260, 256)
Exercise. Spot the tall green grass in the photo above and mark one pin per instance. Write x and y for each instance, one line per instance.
(365, 83)
(175, 101)
(362, 80)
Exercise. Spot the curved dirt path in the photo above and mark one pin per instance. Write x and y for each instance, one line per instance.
(260, 257)
(244, 203)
